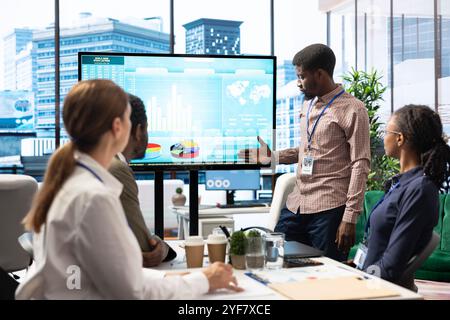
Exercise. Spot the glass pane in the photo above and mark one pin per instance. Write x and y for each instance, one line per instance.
(139, 26)
(373, 41)
(413, 53)
(25, 134)
(225, 28)
(290, 37)
(444, 73)
(342, 38)
(218, 27)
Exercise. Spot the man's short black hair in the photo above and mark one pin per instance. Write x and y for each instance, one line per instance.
(316, 56)
(138, 115)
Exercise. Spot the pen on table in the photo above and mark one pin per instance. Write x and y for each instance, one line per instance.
(257, 278)
(354, 271)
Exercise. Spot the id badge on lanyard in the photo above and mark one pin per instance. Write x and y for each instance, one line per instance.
(307, 164)
(360, 256)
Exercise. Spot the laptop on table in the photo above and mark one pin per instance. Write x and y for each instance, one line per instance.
(292, 250)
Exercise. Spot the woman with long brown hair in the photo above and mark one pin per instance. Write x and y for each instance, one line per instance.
(83, 246)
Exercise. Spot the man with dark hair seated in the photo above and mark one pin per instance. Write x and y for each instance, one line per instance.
(154, 250)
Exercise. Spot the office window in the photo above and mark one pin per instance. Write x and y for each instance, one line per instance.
(221, 27)
(139, 26)
(242, 26)
(297, 25)
(342, 38)
(373, 45)
(23, 133)
(413, 53)
(443, 75)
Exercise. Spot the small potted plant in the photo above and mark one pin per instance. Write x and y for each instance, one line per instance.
(179, 199)
(237, 250)
(254, 250)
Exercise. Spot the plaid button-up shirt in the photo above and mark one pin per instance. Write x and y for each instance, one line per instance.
(340, 147)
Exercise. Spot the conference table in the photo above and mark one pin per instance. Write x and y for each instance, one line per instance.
(330, 270)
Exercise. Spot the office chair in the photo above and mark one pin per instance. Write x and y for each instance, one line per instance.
(16, 195)
(284, 186)
(407, 279)
(26, 241)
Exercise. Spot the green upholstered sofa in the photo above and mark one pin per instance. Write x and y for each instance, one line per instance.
(437, 266)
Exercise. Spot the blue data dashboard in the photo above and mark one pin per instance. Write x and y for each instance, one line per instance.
(201, 109)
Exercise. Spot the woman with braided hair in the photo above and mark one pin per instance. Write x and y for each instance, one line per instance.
(401, 223)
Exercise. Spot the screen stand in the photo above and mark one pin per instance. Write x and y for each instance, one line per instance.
(230, 196)
(159, 203)
(193, 202)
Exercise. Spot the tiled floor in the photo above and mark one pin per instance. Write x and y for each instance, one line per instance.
(432, 290)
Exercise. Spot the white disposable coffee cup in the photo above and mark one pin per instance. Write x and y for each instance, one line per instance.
(217, 247)
(194, 247)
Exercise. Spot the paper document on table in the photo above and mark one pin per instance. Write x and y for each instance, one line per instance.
(252, 290)
(304, 273)
(343, 288)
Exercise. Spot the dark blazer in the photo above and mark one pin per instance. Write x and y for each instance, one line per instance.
(130, 202)
(401, 225)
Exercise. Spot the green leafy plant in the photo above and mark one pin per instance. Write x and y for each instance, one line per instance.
(179, 190)
(253, 241)
(237, 243)
(367, 87)
(253, 234)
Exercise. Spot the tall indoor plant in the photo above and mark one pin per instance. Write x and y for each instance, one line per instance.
(367, 87)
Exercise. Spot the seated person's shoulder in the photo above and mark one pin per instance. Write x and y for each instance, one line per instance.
(117, 164)
(423, 188)
(88, 194)
(425, 183)
(118, 167)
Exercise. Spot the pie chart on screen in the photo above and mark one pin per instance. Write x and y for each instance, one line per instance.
(187, 149)
(153, 151)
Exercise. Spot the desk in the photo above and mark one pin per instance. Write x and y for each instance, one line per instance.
(257, 291)
(182, 214)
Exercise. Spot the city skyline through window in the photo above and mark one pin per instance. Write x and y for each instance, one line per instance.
(27, 72)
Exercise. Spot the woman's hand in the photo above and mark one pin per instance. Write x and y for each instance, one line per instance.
(220, 275)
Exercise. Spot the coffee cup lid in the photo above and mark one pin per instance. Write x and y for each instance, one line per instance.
(194, 241)
(216, 239)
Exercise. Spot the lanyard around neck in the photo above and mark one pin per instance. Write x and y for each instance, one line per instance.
(310, 135)
(90, 170)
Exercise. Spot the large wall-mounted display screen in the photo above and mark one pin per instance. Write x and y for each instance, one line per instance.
(201, 109)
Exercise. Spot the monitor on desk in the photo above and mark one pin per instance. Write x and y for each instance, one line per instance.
(232, 180)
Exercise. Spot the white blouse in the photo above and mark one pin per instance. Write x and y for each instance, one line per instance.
(87, 250)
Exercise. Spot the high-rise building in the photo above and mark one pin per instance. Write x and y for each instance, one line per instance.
(14, 43)
(285, 73)
(414, 39)
(289, 103)
(25, 64)
(212, 36)
(89, 34)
